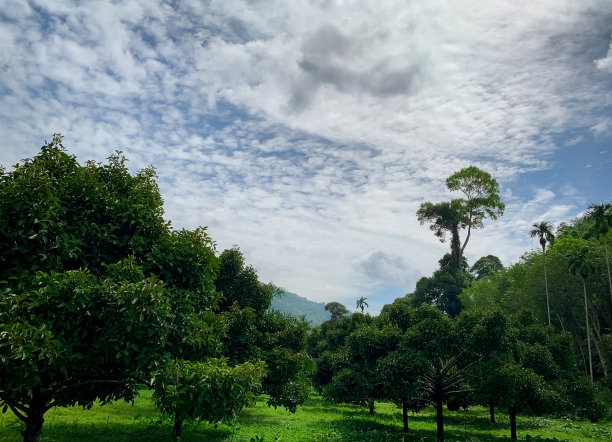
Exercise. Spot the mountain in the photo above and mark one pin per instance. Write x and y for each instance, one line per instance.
(297, 306)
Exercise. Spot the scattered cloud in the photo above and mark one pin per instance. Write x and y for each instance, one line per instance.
(308, 132)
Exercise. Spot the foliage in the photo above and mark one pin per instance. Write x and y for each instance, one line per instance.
(336, 310)
(486, 265)
(211, 390)
(283, 344)
(239, 283)
(481, 197)
(56, 215)
(441, 290)
(75, 337)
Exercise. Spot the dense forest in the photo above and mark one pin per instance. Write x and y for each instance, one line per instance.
(101, 298)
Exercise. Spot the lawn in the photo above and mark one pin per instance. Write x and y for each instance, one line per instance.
(315, 421)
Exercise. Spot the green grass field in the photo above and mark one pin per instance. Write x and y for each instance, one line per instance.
(315, 421)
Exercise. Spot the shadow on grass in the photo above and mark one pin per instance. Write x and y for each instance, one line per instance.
(143, 431)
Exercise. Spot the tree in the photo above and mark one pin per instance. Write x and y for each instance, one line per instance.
(486, 265)
(481, 192)
(601, 214)
(441, 290)
(543, 230)
(361, 303)
(84, 315)
(336, 309)
(579, 265)
(80, 319)
(209, 390)
(77, 337)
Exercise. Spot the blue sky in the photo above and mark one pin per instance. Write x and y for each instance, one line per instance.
(308, 132)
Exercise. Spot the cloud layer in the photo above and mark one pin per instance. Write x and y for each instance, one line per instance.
(308, 132)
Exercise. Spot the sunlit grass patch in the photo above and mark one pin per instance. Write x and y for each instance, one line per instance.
(317, 420)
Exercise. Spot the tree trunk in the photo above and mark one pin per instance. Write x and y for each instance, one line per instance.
(34, 419)
(596, 327)
(512, 413)
(455, 247)
(586, 315)
(178, 427)
(34, 424)
(440, 419)
(405, 415)
(492, 411)
(371, 407)
(608, 266)
(546, 288)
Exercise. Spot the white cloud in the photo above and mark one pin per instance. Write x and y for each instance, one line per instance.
(309, 132)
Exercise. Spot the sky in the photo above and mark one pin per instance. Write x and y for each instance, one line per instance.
(309, 132)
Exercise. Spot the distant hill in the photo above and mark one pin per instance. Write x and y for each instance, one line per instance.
(298, 306)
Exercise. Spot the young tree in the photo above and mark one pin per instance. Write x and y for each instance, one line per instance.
(543, 231)
(209, 390)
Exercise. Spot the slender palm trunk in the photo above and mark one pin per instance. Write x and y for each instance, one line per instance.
(586, 317)
(608, 267)
(492, 411)
(405, 415)
(546, 287)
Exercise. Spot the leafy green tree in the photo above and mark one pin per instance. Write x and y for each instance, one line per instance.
(239, 283)
(211, 390)
(543, 231)
(336, 310)
(74, 337)
(601, 215)
(441, 290)
(84, 315)
(361, 303)
(72, 241)
(400, 372)
(326, 345)
(58, 215)
(486, 265)
(282, 342)
(481, 198)
(579, 265)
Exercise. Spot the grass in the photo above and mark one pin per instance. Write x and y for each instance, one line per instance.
(315, 421)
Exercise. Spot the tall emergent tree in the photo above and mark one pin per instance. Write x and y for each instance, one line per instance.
(579, 265)
(543, 231)
(481, 200)
(601, 214)
(481, 197)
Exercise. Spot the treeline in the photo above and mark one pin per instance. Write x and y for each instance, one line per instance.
(100, 297)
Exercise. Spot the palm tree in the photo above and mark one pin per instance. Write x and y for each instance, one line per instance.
(361, 303)
(601, 214)
(579, 265)
(543, 230)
